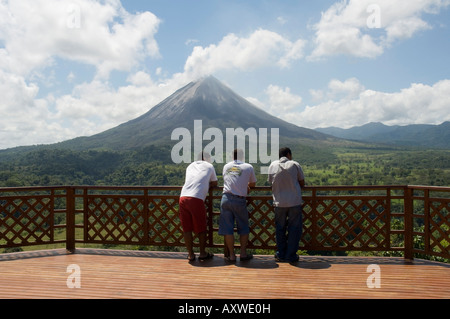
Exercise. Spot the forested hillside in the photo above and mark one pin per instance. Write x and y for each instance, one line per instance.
(424, 135)
(153, 166)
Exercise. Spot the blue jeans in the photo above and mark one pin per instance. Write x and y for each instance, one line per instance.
(233, 209)
(289, 228)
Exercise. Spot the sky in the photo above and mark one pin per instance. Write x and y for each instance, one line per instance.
(71, 68)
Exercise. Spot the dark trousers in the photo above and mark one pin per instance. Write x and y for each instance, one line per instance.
(289, 228)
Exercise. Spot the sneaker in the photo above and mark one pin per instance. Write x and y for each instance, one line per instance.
(295, 259)
(277, 258)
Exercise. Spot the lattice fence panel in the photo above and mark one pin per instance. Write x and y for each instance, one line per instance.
(352, 224)
(115, 220)
(26, 221)
(440, 227)
(261, 222)
(308, 222)
(164, 224)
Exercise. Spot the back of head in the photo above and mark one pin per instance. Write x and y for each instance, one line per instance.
(204, 156)
(284, 152)
(238, 155)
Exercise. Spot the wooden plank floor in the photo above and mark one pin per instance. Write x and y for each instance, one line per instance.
(112, 274)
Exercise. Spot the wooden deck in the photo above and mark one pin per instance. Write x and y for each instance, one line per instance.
(113, 274)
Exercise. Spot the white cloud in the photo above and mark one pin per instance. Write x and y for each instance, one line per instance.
(89, 109)
(282, 100)
(261, 48)
(37, 34)
(281, 20)
(347, 27)
(257, 103)
(102, 34)
(71, 77)
(24, 116)
(418, 104)
(191, 42)
(348, 89)
(99, 102)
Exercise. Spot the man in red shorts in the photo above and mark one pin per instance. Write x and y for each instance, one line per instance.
(200, 177)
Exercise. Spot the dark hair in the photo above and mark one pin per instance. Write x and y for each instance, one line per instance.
(238, 154)
(203, 156)
(284, 152)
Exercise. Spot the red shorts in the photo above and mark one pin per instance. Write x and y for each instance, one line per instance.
(192, 214)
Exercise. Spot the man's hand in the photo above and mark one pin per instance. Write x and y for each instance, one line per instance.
(212, 185)
(250, 186)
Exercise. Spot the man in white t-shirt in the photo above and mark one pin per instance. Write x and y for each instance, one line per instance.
(200, 177)
(238, 178)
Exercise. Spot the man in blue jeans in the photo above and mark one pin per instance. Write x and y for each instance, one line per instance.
(287, 179)
(238, 178)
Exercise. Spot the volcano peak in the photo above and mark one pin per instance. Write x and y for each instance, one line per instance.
(206, 99)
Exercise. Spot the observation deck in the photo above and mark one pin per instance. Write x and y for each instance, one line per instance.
(59, 227)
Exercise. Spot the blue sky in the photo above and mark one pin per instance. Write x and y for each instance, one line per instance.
(73, 68)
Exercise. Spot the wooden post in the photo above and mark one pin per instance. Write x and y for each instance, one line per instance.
(408, 204)
(70, 219)
(314, 218)
(146, 225)
(210, 240)
(427, 217)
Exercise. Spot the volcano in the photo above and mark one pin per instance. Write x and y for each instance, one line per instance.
(208, 100)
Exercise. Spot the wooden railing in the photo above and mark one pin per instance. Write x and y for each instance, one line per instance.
(408, 220)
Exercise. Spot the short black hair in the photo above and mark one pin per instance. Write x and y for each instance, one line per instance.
(284, 152)
(238, 154)
(203, 156)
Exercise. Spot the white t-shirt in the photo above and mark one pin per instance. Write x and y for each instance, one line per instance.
(198, 176)
(236, 176)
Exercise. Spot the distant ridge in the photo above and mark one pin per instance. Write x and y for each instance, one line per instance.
(206, 99)
(422, 135)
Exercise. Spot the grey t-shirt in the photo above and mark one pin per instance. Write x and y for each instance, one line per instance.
(284, 175)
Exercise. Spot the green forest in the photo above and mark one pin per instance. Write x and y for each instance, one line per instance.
(153, 166)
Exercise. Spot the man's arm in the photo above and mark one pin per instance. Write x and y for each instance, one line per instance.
(213, 178)
(300, 176)
(213, 184)
(252, 180)
(302, 183)
(250, 186)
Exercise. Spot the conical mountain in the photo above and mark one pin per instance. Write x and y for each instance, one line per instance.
(208, 100)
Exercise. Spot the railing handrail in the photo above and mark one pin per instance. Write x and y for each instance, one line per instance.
(174, 187)
(336, 221)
